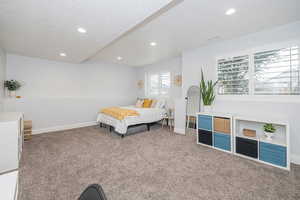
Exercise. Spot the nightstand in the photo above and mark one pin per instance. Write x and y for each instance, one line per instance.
(168, 119)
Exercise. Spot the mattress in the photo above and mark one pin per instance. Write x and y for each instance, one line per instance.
(146, 115)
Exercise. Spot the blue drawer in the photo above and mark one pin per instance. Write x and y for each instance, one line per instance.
(222, 141)
(273, 153)
(205, 122)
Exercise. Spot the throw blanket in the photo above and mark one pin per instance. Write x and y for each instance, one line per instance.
(119, 113)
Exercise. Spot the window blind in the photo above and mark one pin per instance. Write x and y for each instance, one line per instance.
(233, 75)
(154, 84)
(159, 84)
(165, 78)
(277, 72)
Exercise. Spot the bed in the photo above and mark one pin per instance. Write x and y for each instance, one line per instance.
(147, 116)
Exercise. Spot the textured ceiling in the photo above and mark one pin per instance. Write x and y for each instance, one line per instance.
(193, 23)
(44, 28)
(125, 28)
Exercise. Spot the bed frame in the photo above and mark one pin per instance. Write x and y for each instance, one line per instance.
(111, 128)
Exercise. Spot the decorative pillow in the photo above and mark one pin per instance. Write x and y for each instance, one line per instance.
(139, 103)
(154, 102)
(147, 103)
(157, 104)
(160, 104)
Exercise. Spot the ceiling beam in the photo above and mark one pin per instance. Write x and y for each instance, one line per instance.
(155, 15)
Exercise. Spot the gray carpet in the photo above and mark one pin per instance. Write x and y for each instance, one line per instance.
(149, 165)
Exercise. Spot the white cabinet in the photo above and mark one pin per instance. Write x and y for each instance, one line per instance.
(9, 186)
(11, 142)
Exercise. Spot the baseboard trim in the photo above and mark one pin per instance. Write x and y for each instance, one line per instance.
(295, 159)
(63, 127)
(179, 131)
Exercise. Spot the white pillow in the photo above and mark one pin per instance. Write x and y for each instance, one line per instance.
(139, 103)
(160, 104)
(154, 102)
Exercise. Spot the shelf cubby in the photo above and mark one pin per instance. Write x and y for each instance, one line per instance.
(273, 151)
(215, 130)
(225, 132)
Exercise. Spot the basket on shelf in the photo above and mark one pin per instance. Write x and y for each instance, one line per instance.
(27, 129)
(249, 132)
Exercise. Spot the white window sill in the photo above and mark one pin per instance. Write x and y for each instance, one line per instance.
(261, 98)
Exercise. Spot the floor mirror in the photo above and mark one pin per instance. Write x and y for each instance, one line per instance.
(193, 103)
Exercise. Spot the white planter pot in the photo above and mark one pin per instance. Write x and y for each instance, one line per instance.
(207, 108)
(269, 135)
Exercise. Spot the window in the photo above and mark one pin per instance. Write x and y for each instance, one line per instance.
(274, 72)
(277, 72)
(233, 75)
(159, 84)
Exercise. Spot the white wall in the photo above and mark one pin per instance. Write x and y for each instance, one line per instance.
(2, 76)
(57, 95)
(205, 58)
(173, 65)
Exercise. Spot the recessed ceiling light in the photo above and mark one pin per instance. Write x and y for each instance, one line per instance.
(153, 44)
(63, 54)
(81, 30)
(230, 11)
(119, 58)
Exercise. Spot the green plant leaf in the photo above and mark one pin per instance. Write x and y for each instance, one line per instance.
(207, 90)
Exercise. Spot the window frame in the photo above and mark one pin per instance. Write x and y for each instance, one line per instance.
(230, 57)
(147, 77)
(251, 96)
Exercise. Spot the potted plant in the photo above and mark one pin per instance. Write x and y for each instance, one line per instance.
(269, 130)
(12, 86)
(207, 93)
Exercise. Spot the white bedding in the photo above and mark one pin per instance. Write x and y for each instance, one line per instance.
(147, 115)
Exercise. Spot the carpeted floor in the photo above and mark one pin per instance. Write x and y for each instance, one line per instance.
(150, 165)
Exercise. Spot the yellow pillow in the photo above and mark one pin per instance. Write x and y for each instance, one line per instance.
(147, 103)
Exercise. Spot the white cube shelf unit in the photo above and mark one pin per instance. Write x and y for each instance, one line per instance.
(225, 132)
(215, 130)
(274, 152)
